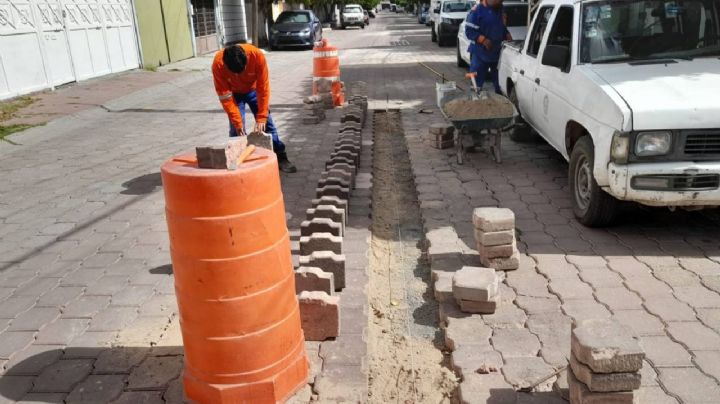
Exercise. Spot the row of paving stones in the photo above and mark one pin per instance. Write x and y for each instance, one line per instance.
(660, 282)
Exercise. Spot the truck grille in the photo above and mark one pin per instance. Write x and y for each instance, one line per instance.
(677, 182)
(702, 143)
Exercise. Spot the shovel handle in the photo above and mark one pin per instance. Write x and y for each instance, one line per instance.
(246, 153)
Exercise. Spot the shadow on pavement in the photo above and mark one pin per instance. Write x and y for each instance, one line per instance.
(142, 185)
(96, 375)
(166, 269)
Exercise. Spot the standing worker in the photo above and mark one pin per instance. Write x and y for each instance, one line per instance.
(486, 30)
(241, 77)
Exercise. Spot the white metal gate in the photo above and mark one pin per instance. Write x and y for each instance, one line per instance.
(45, 43)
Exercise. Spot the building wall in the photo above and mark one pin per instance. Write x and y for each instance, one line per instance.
(233, 14)
(164, 29)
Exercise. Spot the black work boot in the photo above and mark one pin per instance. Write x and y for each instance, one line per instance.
(285, 165)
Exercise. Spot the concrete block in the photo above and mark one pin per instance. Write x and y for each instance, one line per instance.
(441, 128)
(341, 165)
(580, 394)
(524, 373)
(312, 279)
(469, 306)
(320, 242)
(476, 359)
(328, 212)
(346, 175)
(497, 251)
(493, 219)
(467, 330)
(260, 139)
(503, 264)
(221, 157)
(341, 160)
(328, 180)
(606, 346)
(327, 261)
(443, 287)
(604, 382)
(320, 315)
(475, 284)
(320, 225)
(351, 125)
(333, 190)
(354, 157)
(350, 117)
(333, 201)
(490, 239)
(348, 146)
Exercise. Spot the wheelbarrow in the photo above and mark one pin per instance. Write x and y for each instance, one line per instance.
(492, 127)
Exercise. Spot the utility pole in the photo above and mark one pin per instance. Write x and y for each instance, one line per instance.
(256, 19)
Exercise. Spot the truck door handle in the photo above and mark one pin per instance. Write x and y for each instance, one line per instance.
(537, 80)
(522, 72)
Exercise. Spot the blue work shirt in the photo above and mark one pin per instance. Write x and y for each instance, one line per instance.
(490, 23)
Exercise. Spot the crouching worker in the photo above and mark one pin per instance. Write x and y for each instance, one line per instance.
(240, 74)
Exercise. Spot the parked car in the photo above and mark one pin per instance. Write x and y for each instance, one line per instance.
(371, 13)
(423, 15)
(517, 15)
(628, 96)
(352, 16)
(366, 17)
(300, 28)
(393, 8)
(450, 14)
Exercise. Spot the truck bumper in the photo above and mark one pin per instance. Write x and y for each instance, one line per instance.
(666, 184)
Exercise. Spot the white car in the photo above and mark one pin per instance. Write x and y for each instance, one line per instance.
(447, 19)
(627, 91)
(352, 15)
(517, 16)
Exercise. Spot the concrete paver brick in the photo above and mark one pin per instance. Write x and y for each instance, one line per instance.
(640, 321)
(34, 319)
(710, 317)
(82, 277)
(601, 278)
(62, 331)
(690, 385)
(113, 318)
(346, 350)
(669, 309)
(60, 296)
(570, 288)
(534, 305)
(527, 372)
(513, 343)
(159, 305)
(606, 346)
(654, 395)
(470, 330)
(334, 181)
(33, 359)
(618, 298)
(320, 225)
(155, 372)
(140, 397)
(648, 287)
(333, 201)
(498, 251)
(493, 219)
(579, 393)
(604, 382)
(694, 335)
(62, 376)
(43, 398)
(496, 238)
(490, 388)
(320, 315)
(476, 358)
(132, 295)
(697, 296)
(327, 261)
(329, 212)
(442, 287)
(107, 285)
(119, 360)
(144, 331)
(36, 287)
(97, 389)
(14, 387)
(89, 344)
(664, 352)
(85, 306)
(479, 307)
(708, 362)
(506, 316)
(175, 392)
(333, 190)
(475, 284)
(314, 279)
(320, 242)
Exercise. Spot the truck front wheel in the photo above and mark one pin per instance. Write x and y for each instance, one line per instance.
(592, 206)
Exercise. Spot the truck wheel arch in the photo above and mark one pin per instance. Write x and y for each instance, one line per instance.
(573, 132)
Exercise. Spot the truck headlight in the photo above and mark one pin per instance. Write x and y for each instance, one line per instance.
(619, 148)
(653, 143)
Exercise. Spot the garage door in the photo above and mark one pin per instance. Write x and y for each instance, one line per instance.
(45, 43)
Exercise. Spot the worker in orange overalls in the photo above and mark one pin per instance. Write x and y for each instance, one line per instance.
(241, 77)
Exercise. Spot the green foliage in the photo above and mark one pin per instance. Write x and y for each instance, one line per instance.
(7, 130)
(9, 108)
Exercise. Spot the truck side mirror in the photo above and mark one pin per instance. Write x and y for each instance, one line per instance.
(437, 10)
(557, 56)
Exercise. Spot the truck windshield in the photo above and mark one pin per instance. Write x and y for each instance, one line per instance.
(456, 7)
(622, 30)
(352, 10)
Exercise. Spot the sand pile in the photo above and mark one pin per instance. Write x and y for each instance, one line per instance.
(490, 107)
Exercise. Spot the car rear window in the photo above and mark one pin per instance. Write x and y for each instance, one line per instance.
(352, 10)
(293, 17)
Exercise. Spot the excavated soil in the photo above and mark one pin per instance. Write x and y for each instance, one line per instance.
(491, 107)
(405, 363)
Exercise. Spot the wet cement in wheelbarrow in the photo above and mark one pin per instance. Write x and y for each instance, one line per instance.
(487, 108)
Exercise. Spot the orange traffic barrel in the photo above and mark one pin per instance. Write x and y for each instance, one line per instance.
(326, 64)
(234, 281)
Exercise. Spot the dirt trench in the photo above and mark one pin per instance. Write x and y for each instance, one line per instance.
(406, 364)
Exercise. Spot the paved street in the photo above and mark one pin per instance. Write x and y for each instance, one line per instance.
(86, 287)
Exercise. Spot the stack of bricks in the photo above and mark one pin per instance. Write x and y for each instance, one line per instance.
(324, 89)
(476, 290)
(442, 135)
(321, 273)
(495, 236)
(605, 363)
(314, 110)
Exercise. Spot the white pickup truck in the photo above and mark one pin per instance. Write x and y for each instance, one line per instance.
(629, 92)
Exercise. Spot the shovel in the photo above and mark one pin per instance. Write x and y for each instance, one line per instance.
(476, 93)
